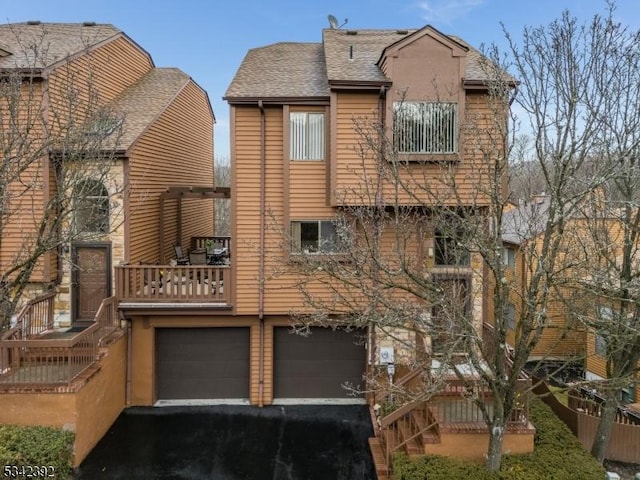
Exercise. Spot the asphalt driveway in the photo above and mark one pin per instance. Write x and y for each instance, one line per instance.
(234, 443)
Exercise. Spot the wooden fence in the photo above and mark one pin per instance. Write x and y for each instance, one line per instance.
(583, 416)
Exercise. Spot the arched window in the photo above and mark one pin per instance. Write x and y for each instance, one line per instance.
(91, 207)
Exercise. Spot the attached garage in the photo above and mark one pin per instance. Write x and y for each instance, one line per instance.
(202, 363)
(318, 365)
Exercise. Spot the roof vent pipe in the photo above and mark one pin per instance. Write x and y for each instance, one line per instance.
(350, 52)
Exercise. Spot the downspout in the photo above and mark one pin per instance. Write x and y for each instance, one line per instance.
(127, 395)
(261, 266)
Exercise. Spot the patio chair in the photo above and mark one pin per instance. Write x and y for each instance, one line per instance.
(199, 257)
(181, 259)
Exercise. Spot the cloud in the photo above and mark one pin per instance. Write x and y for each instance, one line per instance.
(445, 11)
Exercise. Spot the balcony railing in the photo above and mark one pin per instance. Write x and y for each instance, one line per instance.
(174, 284)
(34, 356)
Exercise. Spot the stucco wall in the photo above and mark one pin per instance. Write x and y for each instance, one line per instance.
(473, 446)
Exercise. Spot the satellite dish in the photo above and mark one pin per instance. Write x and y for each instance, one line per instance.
(333, 21)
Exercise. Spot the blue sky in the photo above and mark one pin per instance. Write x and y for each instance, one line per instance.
(208, 38)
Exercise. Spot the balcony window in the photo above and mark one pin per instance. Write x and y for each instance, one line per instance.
(314, 236)
(307, 138)
(425, 127)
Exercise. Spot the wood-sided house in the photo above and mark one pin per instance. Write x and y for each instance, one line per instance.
(157, 193)
(296, 130)
(166, 142)
(592, 248)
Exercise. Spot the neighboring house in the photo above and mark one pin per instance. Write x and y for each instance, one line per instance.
(166, 141)
(562, 339)
(568, 339)
(158, 193)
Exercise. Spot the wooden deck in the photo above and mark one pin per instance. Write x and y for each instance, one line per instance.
(174, 284)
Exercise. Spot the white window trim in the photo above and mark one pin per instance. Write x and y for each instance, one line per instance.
(305, 152)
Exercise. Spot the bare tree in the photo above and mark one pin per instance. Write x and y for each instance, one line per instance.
(222, 178)
(414, 242)
(58, 144)
(607, 288)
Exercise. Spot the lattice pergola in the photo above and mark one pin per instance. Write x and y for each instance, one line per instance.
(183, 193)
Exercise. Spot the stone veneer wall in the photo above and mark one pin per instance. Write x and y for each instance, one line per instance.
(116, 237)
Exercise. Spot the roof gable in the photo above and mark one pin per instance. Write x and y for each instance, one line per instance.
(457, 49)
(143, 102)
(41, 46)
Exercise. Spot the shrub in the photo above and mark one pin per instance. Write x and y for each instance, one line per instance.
(558, 455)
(37, 446)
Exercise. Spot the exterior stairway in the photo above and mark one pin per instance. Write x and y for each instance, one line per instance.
(406, 430)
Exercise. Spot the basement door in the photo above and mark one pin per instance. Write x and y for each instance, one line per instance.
(90, 279)
(317, 366)
(202, 363)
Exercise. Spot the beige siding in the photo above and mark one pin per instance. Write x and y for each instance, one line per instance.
(176, 151)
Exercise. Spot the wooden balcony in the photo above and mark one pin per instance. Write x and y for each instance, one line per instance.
(168, 284)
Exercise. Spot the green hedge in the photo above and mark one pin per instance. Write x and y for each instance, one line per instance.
(36, 447)
(558, 455)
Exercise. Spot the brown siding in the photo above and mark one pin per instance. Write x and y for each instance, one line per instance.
(357, 152)
(176, 151)
(108, 70)
(24, 209)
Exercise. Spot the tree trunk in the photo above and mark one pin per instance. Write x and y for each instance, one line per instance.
(603, 432)
(494, 452)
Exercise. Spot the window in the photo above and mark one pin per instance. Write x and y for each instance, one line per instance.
(509, 257)
(606, 315)
(601, 345)
(510, 316)
(449, 251)
(91, 207)
(315, 236)
(425, 127)
(306, 136)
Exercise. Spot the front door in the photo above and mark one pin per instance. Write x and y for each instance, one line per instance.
(90, 278)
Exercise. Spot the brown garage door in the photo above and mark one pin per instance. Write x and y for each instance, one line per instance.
(202, 363)
(318, 365)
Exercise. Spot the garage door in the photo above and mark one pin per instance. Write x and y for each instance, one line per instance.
(202, 363)
(318, 365)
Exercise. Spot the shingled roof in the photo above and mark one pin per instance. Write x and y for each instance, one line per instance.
(42, 46)
(281, 70)
(308, 69)
(145, 100)
(35, 45)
